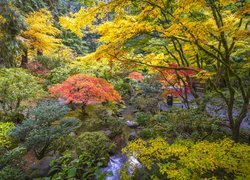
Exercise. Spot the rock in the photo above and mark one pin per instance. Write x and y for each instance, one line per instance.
(135, 110)
(133, 135)
(108, 133)
(41, 168)
(72, 134)
(132, 124)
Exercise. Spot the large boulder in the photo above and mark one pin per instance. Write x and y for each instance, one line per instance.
(41, 168)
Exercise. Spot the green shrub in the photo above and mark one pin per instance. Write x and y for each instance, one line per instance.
(12, 173)
(50, 62)
(61, 73)
(5, 140)
(45, 124)
(10, 164)
(91, 152)
(147, 104)
(95, 144)
(189, 123)
(147, 133)
(17, 89)
(143, 118)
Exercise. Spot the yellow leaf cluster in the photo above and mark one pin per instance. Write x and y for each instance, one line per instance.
(187, 160)
(41, 32)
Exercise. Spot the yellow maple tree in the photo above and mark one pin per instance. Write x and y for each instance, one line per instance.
(206, 34)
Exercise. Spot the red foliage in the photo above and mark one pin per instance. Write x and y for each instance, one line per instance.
(136, 76)
(170, 78)
(85, 89)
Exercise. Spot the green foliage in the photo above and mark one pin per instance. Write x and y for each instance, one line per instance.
(143, 118)
(44, 125)
(91, 152)
(11, 156)
(50, 62)
(10, 164)
(5, 140)
(147, 104)
(102, 117)
(181, 123)
(122, 86)
(10, 27)
(94, 144)
(13, 173)
(148, 133)
(150, 86)
(16, 88)
(60, 74)
(74, 42)
(184, 159)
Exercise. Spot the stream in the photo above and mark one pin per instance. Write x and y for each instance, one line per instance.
(117, 161)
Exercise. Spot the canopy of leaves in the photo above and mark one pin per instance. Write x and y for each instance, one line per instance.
(16, 87)
(85, 89)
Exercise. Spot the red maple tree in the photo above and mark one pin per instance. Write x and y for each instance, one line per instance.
(84, 89)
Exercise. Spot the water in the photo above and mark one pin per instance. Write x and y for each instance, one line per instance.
(116, 164)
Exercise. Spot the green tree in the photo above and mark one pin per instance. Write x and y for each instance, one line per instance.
(17, 89)
(44, 125)
(11, 24)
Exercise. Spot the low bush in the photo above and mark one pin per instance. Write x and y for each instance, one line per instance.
(184, 159)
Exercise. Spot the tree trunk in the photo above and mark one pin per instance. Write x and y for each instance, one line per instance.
(84, 113)
(236, 132)
(24, 60)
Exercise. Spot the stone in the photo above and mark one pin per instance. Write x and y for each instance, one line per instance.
(41, 168)
(132, 124)
(133, 135)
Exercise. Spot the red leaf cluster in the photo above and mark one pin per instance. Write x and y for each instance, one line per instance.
(136, 76)
(85, 89)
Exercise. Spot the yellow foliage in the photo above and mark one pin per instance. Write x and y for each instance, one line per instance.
(192, 22)
(187, 160)
(41, 32)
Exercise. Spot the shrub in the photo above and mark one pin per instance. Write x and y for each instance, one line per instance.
(60, 74)
(45, 124)
(94, 144)
(16, 87)
(5, 140)
(10, 164)
(92, 152)
(184, 159)
(147, 104)
(143, 118)
(49, 62)
(189, 123)
(13, 173)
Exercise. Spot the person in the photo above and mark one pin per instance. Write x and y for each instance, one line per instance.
(170, 100)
